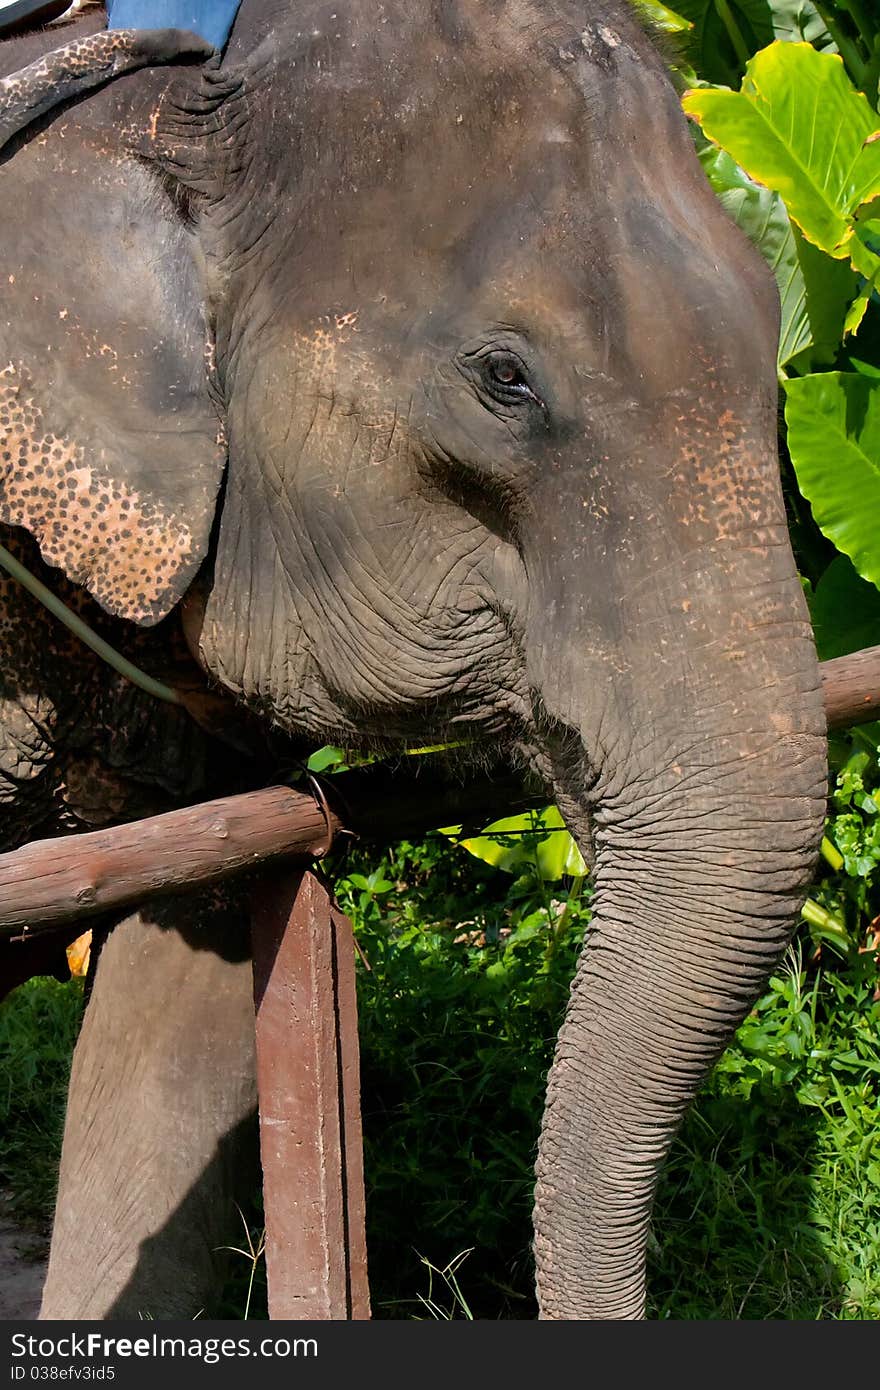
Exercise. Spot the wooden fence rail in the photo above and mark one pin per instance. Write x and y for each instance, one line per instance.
(63, 880)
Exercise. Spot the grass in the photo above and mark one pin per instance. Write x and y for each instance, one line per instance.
(770, 1204)
(38, 1027)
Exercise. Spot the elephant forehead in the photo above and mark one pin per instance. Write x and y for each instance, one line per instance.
(100, 531)
(479, 186)
(435, 110)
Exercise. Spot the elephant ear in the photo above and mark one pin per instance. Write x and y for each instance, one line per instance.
(111, 450)
(85, 64)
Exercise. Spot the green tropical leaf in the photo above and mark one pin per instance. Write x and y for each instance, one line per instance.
(845, 610)
(866, 368)
(814, 304)
(327, 759)
(834, 439)
(724, 33)
(661, 18)
(798, 21)
(814, 290)
(799, 126)
(857, 310)
(537, 839)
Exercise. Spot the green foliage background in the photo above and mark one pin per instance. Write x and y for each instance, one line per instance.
(770, 1204)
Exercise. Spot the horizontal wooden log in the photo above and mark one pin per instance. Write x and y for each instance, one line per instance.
(70, 879)
(80, 876)
(73, 878)
(851, 688)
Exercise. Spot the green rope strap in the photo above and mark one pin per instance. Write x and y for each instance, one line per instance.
(84, 632)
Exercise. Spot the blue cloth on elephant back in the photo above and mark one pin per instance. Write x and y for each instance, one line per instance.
(212, 19)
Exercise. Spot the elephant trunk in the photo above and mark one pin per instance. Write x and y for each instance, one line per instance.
(703, 789)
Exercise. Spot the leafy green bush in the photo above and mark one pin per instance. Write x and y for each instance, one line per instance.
(38, 1027)
(770, 1205)
(470, 970)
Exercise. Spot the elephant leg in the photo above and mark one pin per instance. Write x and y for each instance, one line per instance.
(160, 1136)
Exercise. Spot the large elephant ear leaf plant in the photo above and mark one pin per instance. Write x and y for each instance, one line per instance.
(496, 380)
(804, 130)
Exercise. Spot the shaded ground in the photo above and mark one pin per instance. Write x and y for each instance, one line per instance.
(23, 1257)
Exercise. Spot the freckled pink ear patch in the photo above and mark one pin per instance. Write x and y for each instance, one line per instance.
(134, 555)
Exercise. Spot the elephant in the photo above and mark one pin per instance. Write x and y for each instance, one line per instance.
(398, 376)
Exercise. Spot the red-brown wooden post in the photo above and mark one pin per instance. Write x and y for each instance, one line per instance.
(308, 1077)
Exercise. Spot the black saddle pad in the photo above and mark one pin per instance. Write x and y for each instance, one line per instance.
(28, 14)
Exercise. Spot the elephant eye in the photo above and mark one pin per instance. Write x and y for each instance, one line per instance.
(504, 378)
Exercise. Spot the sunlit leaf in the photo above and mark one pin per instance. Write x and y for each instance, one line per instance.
(327, 759)
(79, 954)
(834, 440)
(799, 126)
(798, 21)
(536, 839)
(662, 19)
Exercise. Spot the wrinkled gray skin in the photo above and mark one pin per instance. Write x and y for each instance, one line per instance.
(497, 381)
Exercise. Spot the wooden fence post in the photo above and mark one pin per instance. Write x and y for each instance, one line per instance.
(308, 1077)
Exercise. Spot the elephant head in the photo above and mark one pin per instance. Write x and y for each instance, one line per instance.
(493, 380)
